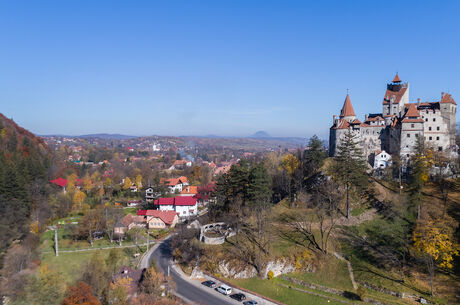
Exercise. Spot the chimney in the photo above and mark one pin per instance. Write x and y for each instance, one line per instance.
(418, 102)
(334, 119)
(366, 117)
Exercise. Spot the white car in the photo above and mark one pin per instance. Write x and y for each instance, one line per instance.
(224, 289)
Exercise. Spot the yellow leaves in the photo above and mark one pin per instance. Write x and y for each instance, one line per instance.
(433, 238)
(34, 227)
(290, 163)
(78, 199)
(127, 184)
(424, 177)
(139, 181)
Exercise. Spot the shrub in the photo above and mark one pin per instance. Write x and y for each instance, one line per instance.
(270, 275)
(361, 292)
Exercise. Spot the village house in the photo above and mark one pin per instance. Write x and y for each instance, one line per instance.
(175, 185)
(185, 206)
(157, 219)
(189, 191)
(180, 164)
(382, 159)
(133, 203)
(61, 182)
(127, 223)
(205, 193)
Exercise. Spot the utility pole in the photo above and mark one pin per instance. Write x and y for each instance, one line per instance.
(56, 241)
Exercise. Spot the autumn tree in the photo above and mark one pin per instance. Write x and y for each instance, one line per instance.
(46, 287)
(127, 184)
(96, 275)
(290, 164)
(350, 166)
(139, 181)
(80, 294)
(78, 199)
(152, 282)
(434, 242)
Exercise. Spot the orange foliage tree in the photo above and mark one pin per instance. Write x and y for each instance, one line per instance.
(81, 294)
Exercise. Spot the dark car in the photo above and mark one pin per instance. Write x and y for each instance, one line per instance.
(238, 296)
(209, 284)
(251, 302)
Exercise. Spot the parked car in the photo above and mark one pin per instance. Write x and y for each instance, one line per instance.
(251, 302)
(210, 284)
(224, 289)
(238, 296)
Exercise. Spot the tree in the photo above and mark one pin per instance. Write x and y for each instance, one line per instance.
(152, 282)
(127, 183)
(47, 287)
(313, 157)
(350, 167)
(290, 164)
(434, 241)
(88, 184)
(81, 294)
(139, 181)
(78, 199)
(96, 275)
(71, 182)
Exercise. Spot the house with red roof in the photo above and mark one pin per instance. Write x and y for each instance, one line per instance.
(190, 190)
(61, 182)
(180, 164)
(158, 219)
(175, 185)
(184, 206)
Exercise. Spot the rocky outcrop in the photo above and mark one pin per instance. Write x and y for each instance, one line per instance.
(278, 267)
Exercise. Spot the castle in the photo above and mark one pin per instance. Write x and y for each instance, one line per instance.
(397, 128)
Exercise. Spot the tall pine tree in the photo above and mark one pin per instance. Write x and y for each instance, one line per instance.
(350, 166)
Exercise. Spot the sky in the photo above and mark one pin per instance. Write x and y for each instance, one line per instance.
(226, 68)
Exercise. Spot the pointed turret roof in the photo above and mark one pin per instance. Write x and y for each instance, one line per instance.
(396, 79)
(412, 111)
(347, 109)
(447, 98)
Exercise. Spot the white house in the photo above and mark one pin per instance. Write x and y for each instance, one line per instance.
(175, 185)
(184, 206)
(382, 160)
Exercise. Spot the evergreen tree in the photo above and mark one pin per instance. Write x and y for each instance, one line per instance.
(314, 156)
(350, 166)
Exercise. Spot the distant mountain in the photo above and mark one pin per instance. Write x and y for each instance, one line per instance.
(260, 134)
(114, 136)
(106, 136)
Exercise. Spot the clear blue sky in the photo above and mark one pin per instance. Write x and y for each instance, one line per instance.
(217, 67)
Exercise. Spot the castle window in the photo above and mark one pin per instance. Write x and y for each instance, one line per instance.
(437, 128)
(429, 128)
(426, 120)
(427, 111)
(408, 155)
(416, 135)
(408, 135)
(434, 119)
(431, 138)
(440, 148)
(412, 125)
(437, 138)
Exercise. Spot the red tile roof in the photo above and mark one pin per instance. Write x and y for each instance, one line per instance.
(396, 79)
(347, 109)
(189, 190)
(179, 200)
(412, 111)
(447, 98)
(63, 182)
(166, 216)
(397, 95)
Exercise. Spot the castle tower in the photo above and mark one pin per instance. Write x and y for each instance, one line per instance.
(448, 111)
(411, 130)
(396, 96)
(347, 112)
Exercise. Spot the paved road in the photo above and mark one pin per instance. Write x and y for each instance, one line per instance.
(191, 291)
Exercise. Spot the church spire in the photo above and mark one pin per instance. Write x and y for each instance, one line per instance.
(396, 79)
(347, 109)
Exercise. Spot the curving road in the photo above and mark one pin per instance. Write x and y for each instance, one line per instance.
(189, 290)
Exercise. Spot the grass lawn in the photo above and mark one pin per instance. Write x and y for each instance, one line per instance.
(71, 264)
(271, 289)
(331, 273)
